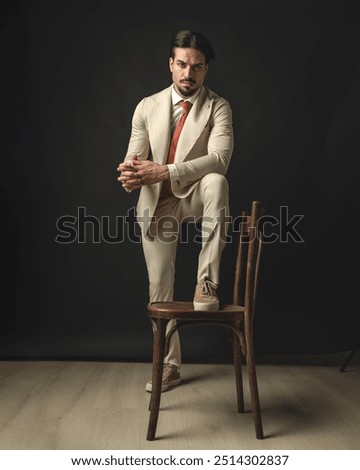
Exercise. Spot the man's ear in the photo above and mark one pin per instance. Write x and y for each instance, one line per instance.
(171, 61)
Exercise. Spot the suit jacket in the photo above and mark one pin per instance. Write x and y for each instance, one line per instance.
(205, 144)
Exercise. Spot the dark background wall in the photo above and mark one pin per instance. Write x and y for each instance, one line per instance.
(72, 73)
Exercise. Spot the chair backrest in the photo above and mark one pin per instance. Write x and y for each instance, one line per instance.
(247, 262)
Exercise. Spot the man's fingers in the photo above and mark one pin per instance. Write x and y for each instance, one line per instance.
(128, 165)
(130, 180)
(128, 174)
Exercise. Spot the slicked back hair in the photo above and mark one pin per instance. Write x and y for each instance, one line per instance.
(196, 40)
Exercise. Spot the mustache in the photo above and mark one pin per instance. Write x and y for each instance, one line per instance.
(190, 80)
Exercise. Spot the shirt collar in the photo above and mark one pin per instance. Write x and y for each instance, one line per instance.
(176, 98)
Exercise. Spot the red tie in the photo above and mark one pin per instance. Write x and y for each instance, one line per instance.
(186, 105)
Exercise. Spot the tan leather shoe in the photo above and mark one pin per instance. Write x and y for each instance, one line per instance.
(170, 378)
(205, 297)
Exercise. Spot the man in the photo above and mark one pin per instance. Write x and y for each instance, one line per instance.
(178, 153)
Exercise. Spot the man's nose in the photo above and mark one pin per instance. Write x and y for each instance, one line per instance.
(188, 72)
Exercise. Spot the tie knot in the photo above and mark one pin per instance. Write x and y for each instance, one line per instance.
(186, 105)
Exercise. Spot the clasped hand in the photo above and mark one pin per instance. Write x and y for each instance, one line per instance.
(135, 173)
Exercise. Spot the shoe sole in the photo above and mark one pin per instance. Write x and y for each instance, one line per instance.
(148, 387)
(201, 306)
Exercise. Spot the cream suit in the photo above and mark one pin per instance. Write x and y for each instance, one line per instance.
(202, 158)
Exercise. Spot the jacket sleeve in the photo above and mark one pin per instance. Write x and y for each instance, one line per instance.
(220, 147)
(139, 137)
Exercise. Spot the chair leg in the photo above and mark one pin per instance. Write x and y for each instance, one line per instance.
(238, 372)
(157, 371)
(254, 392)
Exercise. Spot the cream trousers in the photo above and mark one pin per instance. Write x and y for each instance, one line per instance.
(208, 204)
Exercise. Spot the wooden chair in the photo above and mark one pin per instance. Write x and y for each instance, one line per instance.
(237, 317)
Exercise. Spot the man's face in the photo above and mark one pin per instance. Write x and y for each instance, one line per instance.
(188, 70)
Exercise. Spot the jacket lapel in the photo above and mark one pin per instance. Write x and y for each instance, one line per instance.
(160, 127)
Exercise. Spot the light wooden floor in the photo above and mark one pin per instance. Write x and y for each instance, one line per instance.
(101, 405)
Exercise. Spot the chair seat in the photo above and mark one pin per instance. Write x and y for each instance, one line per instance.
(184, 310)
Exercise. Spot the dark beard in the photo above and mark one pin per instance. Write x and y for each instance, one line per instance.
(187, 91)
